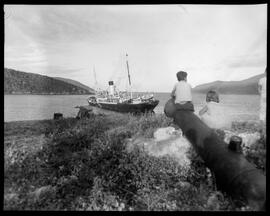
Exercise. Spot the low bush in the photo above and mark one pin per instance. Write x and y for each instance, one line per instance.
(257, 153)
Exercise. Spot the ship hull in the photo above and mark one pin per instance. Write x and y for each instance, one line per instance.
(128, 107)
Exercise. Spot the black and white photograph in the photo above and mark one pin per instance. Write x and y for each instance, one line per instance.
(135, 107)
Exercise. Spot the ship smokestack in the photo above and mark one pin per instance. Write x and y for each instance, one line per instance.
(111, 88)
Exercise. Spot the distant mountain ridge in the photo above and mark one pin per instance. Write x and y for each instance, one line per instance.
(18, 82)
(76, 83)
(246, 86)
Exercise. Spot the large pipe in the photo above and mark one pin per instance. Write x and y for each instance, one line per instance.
(233, 173)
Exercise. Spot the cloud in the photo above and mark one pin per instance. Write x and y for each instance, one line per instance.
(209, 42)
(49, 24)
(246, 61)
(27, 53)
(96, 24)
(28, 58)
(260, 44)
(56, 70)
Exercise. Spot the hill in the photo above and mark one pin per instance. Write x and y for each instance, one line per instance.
(247, 86)
(76, 83)
(18, 82)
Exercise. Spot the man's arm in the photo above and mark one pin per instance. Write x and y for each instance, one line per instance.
(203, 110)
(173, 92)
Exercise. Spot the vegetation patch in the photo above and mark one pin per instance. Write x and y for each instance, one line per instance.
(84, 164)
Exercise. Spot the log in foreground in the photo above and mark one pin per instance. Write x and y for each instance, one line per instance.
(234, 174)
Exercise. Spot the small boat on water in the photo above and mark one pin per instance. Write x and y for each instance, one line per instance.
(123, 101)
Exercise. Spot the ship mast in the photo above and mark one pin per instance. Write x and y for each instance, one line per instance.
(129, 76)
(96, 83)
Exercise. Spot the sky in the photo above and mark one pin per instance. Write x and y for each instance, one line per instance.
(88, 43)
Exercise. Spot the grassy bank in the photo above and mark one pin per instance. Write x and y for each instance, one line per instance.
(83, 164)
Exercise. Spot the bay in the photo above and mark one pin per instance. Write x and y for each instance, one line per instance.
(38, 107)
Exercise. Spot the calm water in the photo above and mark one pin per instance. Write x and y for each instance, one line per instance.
(36, 107)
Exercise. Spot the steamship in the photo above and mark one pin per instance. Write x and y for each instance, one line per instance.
(123, 101)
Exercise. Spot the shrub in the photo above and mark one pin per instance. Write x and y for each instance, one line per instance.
(257, 153)
(87, 164)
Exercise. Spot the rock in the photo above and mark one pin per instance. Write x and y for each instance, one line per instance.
(175, 147)
(228, 135)
(166, 133)
(249, 139)
(167, 141)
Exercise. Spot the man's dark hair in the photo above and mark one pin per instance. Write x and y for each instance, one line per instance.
(181, 75)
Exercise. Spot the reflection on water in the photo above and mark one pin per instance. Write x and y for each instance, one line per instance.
(34, 107)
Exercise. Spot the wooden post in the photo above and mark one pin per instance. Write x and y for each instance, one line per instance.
(57, 116)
